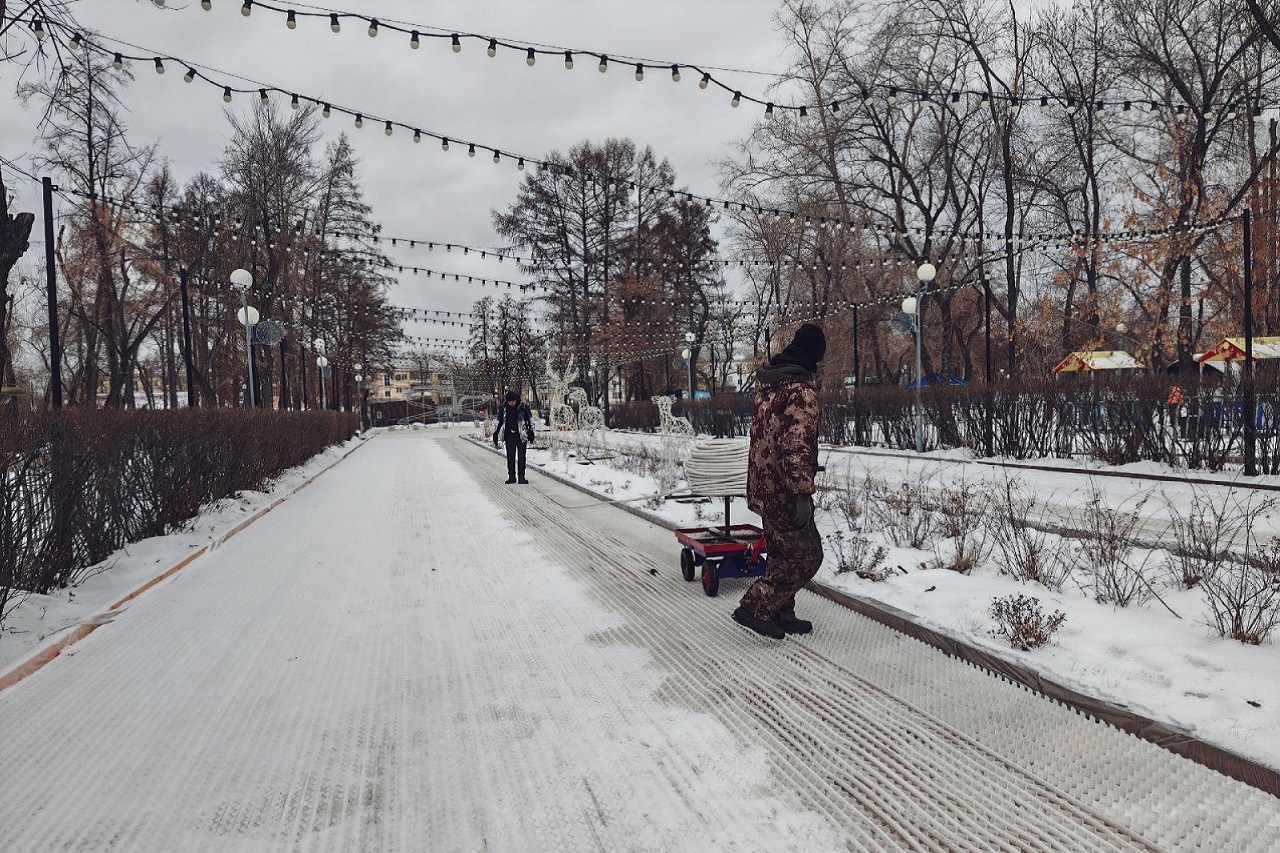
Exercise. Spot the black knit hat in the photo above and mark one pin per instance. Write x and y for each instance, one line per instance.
(512, 396)
(806, 349)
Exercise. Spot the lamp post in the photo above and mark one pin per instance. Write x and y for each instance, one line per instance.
(360, 390)
(912, 305)
(242, 280)
(322, 363)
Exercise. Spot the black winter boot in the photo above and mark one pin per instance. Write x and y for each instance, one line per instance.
(510, 480)
(795, 626)
(769, 629)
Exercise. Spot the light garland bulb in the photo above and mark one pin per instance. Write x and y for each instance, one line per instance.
(118, 62)
(604, 64)
(530, 57)
(226, 94)
(457, 44)
(159, 66)
(497, 158)
(206, 5)
(38, 27)
(294, 103)
(247, 8)
(387, 131)
(639, 71)
(76, 41)
(568, 60)
(262, 96)
(327, 111)
(291, 21)
(471, 150)
(675, 73)
(768, 111)
(359, 120)
(804, 113)
(417, 135)
(520, 166)
(444, 144)
(706, 78)
(334, 23)
(492, 50)
(190, 75)
(413, 40)
(737, 99)
(373, 28)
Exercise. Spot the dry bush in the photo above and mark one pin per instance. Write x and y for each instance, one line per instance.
(1243, 595)
(1203, 534)
(904, 513)
(1020, 620)
(854, 553)
(961, 511)
(1030, 554)
(1118, 569)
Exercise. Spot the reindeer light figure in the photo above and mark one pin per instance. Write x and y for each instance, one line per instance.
(563, 417)
(590, 423)
(677, 436)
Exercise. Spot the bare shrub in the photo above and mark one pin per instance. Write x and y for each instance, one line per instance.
(904, 513)
(854, 553)
(848, 500)
(1243, 596)
(1204, 533)
(1020, 621)
(1029, 554)
(960, 511)
(1118, 569)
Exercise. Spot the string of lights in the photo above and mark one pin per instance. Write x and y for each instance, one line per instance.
(867, 96)
(265, 93)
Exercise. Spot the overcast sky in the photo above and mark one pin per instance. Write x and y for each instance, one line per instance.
(419, 191)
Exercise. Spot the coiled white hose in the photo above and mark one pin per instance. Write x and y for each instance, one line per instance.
(718, 467)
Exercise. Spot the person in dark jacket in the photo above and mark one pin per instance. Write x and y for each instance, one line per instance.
(781, 470)
(515, 427)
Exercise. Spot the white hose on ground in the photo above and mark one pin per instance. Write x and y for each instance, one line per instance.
(718, 467)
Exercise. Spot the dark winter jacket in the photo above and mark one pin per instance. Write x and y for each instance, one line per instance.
(511, 419)
(783, 459)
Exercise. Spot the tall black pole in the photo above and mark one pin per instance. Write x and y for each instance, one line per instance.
(1250, 401)
(51, 284)
(988, 416)
(857, 364)
(183, 275)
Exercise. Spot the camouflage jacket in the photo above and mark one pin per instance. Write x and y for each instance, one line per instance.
(784, 440)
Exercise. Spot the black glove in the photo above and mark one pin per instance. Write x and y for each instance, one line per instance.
(495, 441)
(802, 511)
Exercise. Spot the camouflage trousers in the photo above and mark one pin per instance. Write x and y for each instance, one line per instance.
(794, 556)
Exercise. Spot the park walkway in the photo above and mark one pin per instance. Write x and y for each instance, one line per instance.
(410, 655)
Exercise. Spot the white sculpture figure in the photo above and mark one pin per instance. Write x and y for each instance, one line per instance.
(677, 436)
(668, 425)
(590, 423)
(563, 418)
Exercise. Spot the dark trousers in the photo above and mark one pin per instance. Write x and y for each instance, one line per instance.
(514, 449)
(794, 557)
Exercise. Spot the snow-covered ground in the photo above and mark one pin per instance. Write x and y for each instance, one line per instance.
(1171, 668)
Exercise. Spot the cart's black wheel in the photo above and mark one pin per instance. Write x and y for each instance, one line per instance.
(711, 578)
(686, 563)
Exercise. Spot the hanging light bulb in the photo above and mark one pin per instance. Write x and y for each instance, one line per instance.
(493, 48)
(893, 96)
(226, 94)
(373, 28)
(568, 60)
(604, 63)
(768, 111)
(206, 5)
(1071, 106)
(706, 78)
(413, 40)
(520, 166)
(444, 144)
(675, 73)
(471, 150)
(737, 99)
(262, 96)
(497, 158)
(530, 57)
(1044, 105)
(457, 44)
(327, 111)
(334, 24)
(190, 75)
(804, 113)
(359, 120)
(247, 8)
(1155, 108)
(294, 103)
(37, 26)
(835, 106)
(417, 135)
(76, 41)
(159, 66)
(117, 62)
(387, 130)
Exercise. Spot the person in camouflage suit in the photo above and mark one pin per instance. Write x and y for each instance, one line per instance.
(781, 469)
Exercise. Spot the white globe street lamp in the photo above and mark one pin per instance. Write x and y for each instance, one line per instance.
(912, 305)
(242, 280)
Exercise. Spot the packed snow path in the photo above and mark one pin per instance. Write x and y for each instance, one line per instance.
(410, 655)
